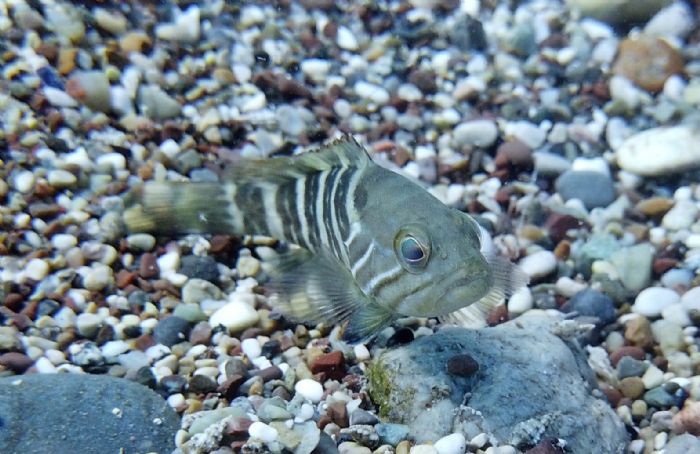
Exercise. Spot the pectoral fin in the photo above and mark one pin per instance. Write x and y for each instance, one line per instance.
(316, 288)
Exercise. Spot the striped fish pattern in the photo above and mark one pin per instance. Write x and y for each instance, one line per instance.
(372, 245)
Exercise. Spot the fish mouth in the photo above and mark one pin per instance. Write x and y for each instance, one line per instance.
(459, 293)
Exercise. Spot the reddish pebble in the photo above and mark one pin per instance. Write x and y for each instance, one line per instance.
(635, 352)
(498, 315)
(339, 414)
(546, 446)
(148, 268)
(200, 334)
(559, 224)
(332, 364)
(688, 419)
(124, 278)
(614, 395)
(16, 362)
(661, 265)
(229, 388)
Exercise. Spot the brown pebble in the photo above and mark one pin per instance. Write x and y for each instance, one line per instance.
(647, 61)
(613, 395)
(270, 373)
(514, 155)
(124, 278)
(562, 250)
(424, 79)
(688, 419)
(104, 334)
(635, 352)
(282, 393)
(45, 210)
(14, 302)
(148, 267)
(237, 427)
(16, 362)
(332, 364)
(631, 387)
(638, 332)
(229, 388)
(339, 414)
(201, 384)
(462, 365)
(135, 41)
(144, 342)
(200, 334)
(654, 206)
(66, 60)
(661, 265)
(559, 224)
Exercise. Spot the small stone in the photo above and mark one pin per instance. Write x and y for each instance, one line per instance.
(647, 61)
(688, 419)
(91, 88)
(16, 362)
(632, 387)
(36, 269)
(197, 290)
(654, 206)
(475, 133)
(638, 332)
(201, 334)
(23, 181)
(681, 216)
(633, 265)
(594, 189)
(653, 377)
(592, 303)
(235, 316)
(185, 28)
(148, 266)
(521, 301)
(199, 267)
(332, 364)
(451, 444)
(171, 330)
(110, 20)
(346, 39)
(98, 277)
(88, 324)
(360, 416)
(273, 409)
(630, 367)
(262, 432)
(683, 444)
(659, 398)
(156, 103)
(60, 178)
(141, 241)
(371, 92)
(201, 384)
(309, 389)
(651, 302)
(538, 264)
(633, 352)
(134, 41)
(462, 365)
(660, 151)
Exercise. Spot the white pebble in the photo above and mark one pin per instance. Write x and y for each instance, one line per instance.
(651, 301)
(520, 301)
(528, 133)
(315, 68)
(251, 347)
(677, 314)
(691, 300)
(371, 92)
(114, 161)
(361, 352)
(112, 349)
(568, 287)
(23, 181)
(423, 449)
(262, 432)
(451, 444)
(60, 178)
(346, 39)
(478, 133)
(170, 148)
(44, 366)
(63, 241)
(309, 389)
(176, 401)
(599, 165)
(87, 324)
(235, 316)
(36, 269)
(654, 151)
(185, 28)
(539, 264)
(59, 98)
(681, 216)
(168, 263)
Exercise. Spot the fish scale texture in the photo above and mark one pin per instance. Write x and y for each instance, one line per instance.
(69, 413)
(530, 385)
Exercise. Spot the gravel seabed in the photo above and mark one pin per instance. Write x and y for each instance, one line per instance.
(569, 129)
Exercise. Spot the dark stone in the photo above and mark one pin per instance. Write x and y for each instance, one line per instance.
(392, 434)
(201, 384)
(201, 333)
(47, 307)
(148, 266)
(628, 350)
(48, 412)
(630, 367)
(325, 445)
(332, 364)
(271, 348)
(173, 384)
(400, 337)
(171, 331)
(229, 388)
(360, 416)
(462, 366)
(270, 373)
(546, 446)
(16, 362)
(468, 34)
(660, 398)
(145, 377)
(594, 189)
(200, 267)
(425, 80)
(592, 303)
(104, 334)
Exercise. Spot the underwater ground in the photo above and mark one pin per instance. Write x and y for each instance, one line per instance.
(569, 129)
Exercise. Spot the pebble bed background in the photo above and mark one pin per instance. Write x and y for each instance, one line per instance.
(570, 129)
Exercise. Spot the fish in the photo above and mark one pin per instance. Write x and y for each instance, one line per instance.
(369, 245)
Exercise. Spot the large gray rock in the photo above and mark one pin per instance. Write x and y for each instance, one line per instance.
(530, 385)
(83, 413)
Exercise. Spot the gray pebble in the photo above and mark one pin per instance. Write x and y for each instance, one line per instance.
(594, 189)
(392, 434)
(199, 267)
(592, 303)
(361, 416)
(658, 397)
(630, 367)
(171, 331)
(683, 444)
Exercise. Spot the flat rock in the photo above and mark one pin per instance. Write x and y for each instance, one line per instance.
(660, 151)
(519, 396)
(83, 413)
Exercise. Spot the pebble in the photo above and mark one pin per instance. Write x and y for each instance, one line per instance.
(521, 301)
(199, 267)
(651, 301)
(681, 216)
(251, 348)
(263, 432)
(36, 269)
(423, 449)
(655, 151)
(630, 367)
(688, 419)
(451, 444)
(691, 300)
(683, 444)
(60, 178)
(197, 290)
(110, 20)
(309, 389)
(90, 88)
(346, 39)
(235, 316)
(23, 181)
(155, 103)
(658, 397)
(171, 330)
(185, 28)
(653, 377)
(141, 241)
(371, 92)
(538, 264)
(633, 265)
(392, 434)
(88, 324)
(592, 303)
(647, 61)
(593, 188)
(475, 133)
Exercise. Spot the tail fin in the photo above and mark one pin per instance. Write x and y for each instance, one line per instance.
(178, 207)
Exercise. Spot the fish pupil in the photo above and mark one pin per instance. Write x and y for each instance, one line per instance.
(411, 250)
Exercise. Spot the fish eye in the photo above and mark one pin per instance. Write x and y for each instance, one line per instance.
(412, 247)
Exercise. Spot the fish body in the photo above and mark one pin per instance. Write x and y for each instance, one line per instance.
(373, 244)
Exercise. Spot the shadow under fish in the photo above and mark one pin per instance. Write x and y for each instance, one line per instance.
(373, 245)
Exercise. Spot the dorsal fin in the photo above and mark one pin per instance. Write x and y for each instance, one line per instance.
(342, 152)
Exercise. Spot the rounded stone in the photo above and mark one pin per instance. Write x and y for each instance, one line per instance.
(171, 331)
(647, 61)
(651, 301)
(594, 189)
